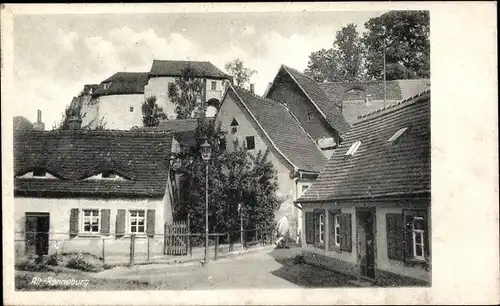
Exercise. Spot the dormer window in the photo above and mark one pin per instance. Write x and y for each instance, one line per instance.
(397, 134)
(39, 173)
(310, 116)
(106, 86)
(354, 147)
(108, 174)
(234, 126)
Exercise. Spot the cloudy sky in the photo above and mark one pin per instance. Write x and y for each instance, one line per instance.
(55, 55)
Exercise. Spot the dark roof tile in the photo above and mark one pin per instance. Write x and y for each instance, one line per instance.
(380, 167)
(73, 156)
(284, 131)
(175, 69)
(122, 83)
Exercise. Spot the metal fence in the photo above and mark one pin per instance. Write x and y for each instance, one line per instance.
(177, 243)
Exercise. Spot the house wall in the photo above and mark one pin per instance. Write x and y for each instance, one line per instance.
(60, 209)
(158, 86)
(288, 92)
(115, 109)
(90, 111)
(388, 271)
(287, 186)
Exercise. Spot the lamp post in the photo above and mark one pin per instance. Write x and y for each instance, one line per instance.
(206, 152)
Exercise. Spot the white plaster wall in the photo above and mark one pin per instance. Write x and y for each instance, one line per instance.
(158, 86)
(115, 109)
(286, 185)
(60, 210)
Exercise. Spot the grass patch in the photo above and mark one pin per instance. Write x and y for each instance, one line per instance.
(81, 261)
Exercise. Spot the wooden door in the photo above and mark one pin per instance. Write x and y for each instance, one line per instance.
(365, 225)
(37, 227)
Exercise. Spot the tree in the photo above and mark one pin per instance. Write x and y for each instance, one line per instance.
(152, 114)
(186, 94)
(407, 45)
(75, 111)
(241, 75)
(342, 62)
(349, 52)
(235, 177)
(322, 66)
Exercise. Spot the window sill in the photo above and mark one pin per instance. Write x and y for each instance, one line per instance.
(88, 235)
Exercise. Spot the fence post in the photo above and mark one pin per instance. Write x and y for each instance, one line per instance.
(216, 247)
(188, 237)
(132, 250)
(103, 248)
(149, 247)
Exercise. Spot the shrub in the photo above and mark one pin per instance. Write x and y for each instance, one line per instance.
(85, 262)
(30, 265)
(53, 259)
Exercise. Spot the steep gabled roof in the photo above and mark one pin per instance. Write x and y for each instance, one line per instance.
(283, 131)
(175, 69)
(122, 83)
(73, 156)
(329, 111)
(380, 167)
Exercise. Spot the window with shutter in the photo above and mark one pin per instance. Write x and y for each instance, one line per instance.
(415, 235)
(395, 236)
(319, 228)
(150, 227)
(120, 222)
(90, 224)
(309, 227)
(345, 232)
(105, 218)
(73, 222)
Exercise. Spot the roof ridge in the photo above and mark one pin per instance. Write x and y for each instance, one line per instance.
(259, 97)
(303, 74)
(407, 101)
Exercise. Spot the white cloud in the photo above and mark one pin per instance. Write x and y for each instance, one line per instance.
(66, 40)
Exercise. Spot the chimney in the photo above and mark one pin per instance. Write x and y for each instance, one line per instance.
(252, 88)
(39, 125)
(74, 123)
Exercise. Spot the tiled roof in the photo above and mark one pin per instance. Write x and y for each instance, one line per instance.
(284, 131)
(318, 97)
(380, 167)
(21, 123)
(353, 94)
(175, 69)
(178, 125)
(72, 156)
(122, 83)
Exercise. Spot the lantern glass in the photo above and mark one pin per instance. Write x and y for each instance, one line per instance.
(206, 151)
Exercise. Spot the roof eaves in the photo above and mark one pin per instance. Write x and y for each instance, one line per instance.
(265, 132)
(367, 197)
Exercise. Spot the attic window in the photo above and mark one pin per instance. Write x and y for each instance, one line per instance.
(39, 173)
(108, 174)
(397, 134)
(354, 147)
(106, 85)
(234, 122)
(234, 126)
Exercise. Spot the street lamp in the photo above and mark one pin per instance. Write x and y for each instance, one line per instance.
(206, 152)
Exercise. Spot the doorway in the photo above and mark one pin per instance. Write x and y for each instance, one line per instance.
(365, 227)
(37, 233)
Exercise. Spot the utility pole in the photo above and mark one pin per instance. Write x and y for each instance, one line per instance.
(385, 83)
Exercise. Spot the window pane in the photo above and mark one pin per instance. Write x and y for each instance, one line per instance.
(141, 229)
(418, 251)
(418, 224)
(86, 228)
(141, 222)
(133, 213)
(337, 239)
(86, 212)
(95, 228)
(133, 229)
(418, 238)
(141, 213)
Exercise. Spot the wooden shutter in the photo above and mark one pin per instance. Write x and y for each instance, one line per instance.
(120, 222)
(345, 232)
(105, 216)
(74, 225)
(309, 227)
(395, 236)
(408, 236)
(150, 227)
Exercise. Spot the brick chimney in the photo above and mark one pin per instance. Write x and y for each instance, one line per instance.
(39, 125)
(74, 123)
(252, 88)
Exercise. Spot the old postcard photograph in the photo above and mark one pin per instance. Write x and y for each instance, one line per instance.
(250, 153)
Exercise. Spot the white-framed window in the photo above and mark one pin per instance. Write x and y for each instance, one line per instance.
(418, 237)
(137, 221)
(91, 218)
(106, 85)
(354, 147)
(310, 116)
(213, 85)
(131, 109)
(336, 229)
(321, 228)
(304, 189)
